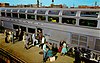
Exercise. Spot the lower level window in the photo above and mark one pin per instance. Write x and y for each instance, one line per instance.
(69, 20)
(53, 19)
(22, 16)
(15, 15)
(30, 30)
(8, 14)
(2, 13)
(97, 44)
(91, 23)
(30, 16)
(40, 17)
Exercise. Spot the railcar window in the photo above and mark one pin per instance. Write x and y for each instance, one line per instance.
(30, 30)
(14, 10)
(41, 11)
(69, 13)
(91, 40)
(22, 16)
(8, 14)
(15, 15)
(53, 19)
(3, 14)
(23, 28)
(15, 26)
(83, 38)
(91, 23)
(8, 10)
(83, 41)
(74, 39)
(97, 44)
(40, 17)
(89, 14)
(30, 11)
(54, 12)
(29, 16)
(22, 10)
(79, 38)
(3, 10)
(68, 20)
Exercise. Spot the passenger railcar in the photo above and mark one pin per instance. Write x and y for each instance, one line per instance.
(78, 27)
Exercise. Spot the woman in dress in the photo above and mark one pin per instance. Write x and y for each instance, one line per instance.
(64, 49)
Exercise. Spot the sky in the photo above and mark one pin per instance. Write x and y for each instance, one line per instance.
(68, 3)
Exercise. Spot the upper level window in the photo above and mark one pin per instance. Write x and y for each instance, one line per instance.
(69, 13)
(8, 10)
(69, 20)
(41, 11)
(22, 10)
(14, 10)
(3, 10)
(30, 11)
(54, 12)
(92, 23)
(89, 14)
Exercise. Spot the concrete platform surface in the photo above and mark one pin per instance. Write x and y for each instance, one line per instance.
(31, 55)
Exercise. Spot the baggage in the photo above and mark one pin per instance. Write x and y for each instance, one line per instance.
(52, 59)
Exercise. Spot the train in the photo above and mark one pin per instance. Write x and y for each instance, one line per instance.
(78, 27)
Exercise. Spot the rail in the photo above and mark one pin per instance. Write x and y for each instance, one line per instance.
(10, 57)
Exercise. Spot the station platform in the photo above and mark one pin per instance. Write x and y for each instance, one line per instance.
(31, 55)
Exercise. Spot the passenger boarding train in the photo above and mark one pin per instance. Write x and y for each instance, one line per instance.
(78, 27)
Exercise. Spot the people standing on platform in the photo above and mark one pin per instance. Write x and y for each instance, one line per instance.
(33, 39)
(60, 46)
(6, 36)
(26, 41)
(12, 37)
(54, 48)
(39, 36)
(77, 56)
(88, 52)
(17, 33)
(61, 43)
(20, 34)
(43, 40)
(49, 53)
(44, 51)
(64, 49)
(5, 32)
